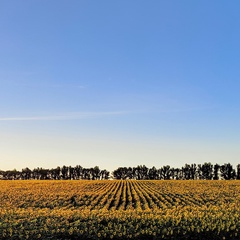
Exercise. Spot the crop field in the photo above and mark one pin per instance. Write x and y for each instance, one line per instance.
(124, 209)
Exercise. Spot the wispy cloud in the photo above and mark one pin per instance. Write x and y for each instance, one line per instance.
(67, 116)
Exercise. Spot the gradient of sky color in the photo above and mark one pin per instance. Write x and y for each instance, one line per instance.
(119, 83)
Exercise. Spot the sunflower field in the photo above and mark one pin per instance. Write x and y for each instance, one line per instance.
(119, 209)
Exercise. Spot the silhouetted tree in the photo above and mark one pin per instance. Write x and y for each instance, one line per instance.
(95, 173)
(216, 172)
(26, 173)
(86, 174)
(227, 171)
(70, 172)
(177, 173)
(153, 174)
(104, 174)
(238, 172)
(64, 172)
(206, 171)
(141, 172)
(186, 170)
(166, 172)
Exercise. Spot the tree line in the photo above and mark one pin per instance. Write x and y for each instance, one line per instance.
(59, 173)
(206, 171)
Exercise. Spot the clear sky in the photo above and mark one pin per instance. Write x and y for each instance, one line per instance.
(119, 83)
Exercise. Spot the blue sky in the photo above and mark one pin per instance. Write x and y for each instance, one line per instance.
(119, 83)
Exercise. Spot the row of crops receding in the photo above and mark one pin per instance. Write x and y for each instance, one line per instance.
(119, 209)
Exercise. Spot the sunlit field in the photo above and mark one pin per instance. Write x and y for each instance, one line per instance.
(119, 209)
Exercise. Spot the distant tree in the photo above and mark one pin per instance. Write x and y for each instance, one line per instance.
(58, 173)
(216, 172)
(227, 171)
(78, 172)
(153, 174)
(238, 172)
(96, 173)
(64, 172)
(86, 174)
(193, 171)
(141, 172)
(177, 173)
(26, 173)
(54, 173)
(130, 174)
(123, 173)
(104, 174)
(207, 171)
(35, 174)
(166, 172)
(186, 170)
(70, 172)
(11, 174)
(118, 173)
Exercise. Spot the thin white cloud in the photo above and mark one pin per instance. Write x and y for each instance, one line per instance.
(67, 116)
